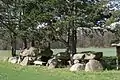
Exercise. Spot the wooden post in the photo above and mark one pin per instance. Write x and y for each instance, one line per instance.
(117, 56)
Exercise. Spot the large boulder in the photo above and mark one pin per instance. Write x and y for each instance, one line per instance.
(93, 65)
(39, 62)
(52, 63)
(25, 52)
(63, 56)
(46, 52)
(32, 58)
(78, 56)
(25, 61)
(13, 60)
(93, 55)
(52, 66)
(77, 66)
(32, 51)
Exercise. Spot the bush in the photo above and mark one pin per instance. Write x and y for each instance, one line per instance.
(109, 62)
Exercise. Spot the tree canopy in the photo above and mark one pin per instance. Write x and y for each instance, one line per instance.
(50, 20)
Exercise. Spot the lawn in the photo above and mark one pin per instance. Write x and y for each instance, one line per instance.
(106, 51)
(15, 72)
(6, 53)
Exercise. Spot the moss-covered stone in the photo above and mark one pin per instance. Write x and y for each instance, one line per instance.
(46, 52)
(92, 55)
(63, 55)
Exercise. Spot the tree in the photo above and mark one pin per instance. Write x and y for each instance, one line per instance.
(10, 17)
(64, 17)
(75, 14)
(50, 20)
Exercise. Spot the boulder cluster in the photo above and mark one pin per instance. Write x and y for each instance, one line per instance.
(32, 56)
(88, 61)
(60, 60)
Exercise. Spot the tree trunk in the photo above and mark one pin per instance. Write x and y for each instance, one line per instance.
(49, 45)
(13, 44)
(33, 43)
(73, 41)
(24, 43)
(68, 42)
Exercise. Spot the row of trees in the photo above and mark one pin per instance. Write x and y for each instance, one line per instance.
(49, 20)
(83, 41)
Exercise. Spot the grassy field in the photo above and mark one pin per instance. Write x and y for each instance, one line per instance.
(15, 72)
(106, 51)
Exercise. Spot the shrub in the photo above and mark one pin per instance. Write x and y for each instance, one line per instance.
(109, 62)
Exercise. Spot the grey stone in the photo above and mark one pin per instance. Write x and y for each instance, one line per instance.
(89, 56)
(33, 51)
(78, 56)
(46, 52)
(52, 60)
(52, 63)
(94, 55)
(25, 52)
(63, 56)
(93, 65)
(12, 60)
(29, 52)
(25, 61)
(77, 67)
(39, 62)
(51, 66)
(19, 60)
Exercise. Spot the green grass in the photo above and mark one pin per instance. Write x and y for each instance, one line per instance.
(15, 72)
(5, 53)
(106, 51)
